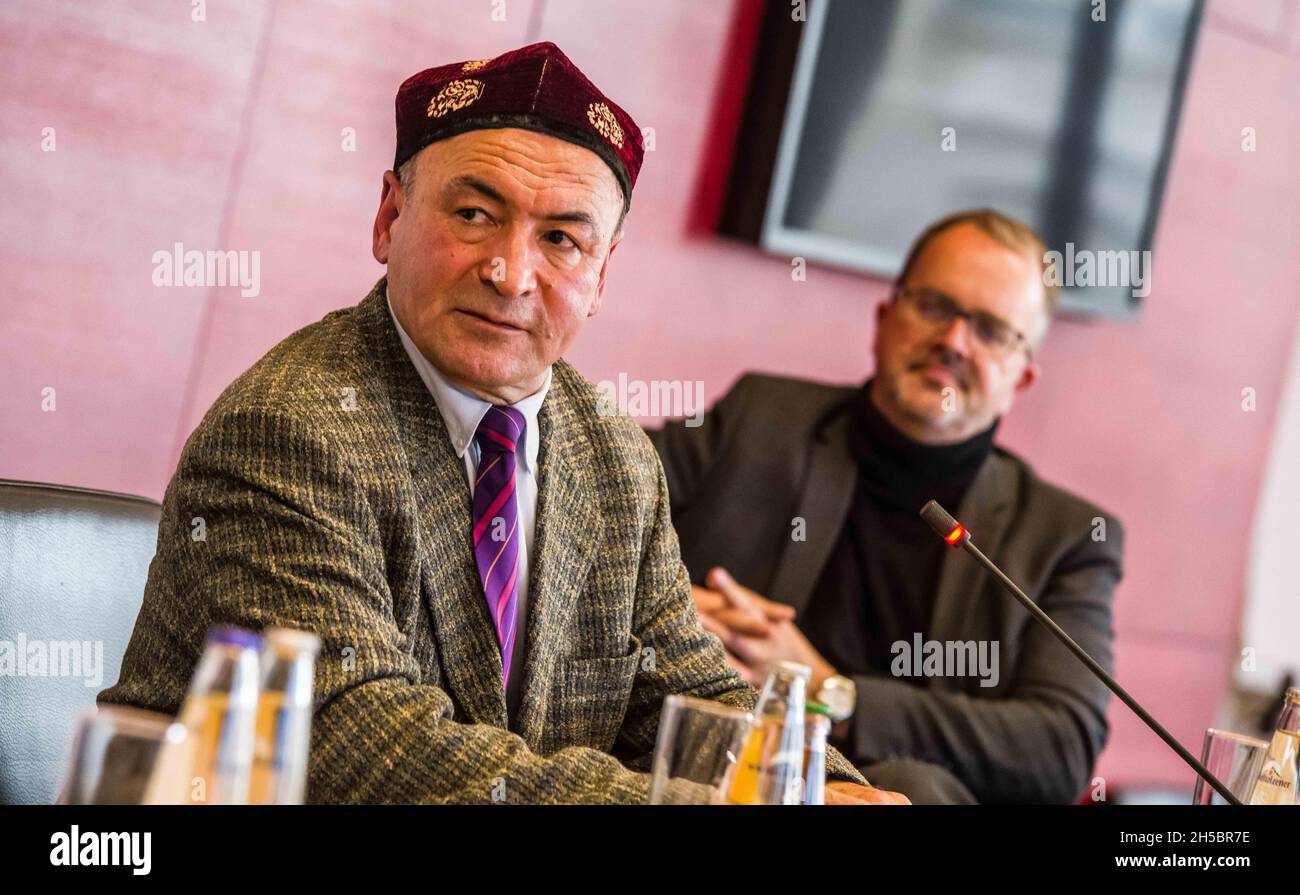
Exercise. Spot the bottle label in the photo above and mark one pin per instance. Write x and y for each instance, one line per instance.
(1276, 784)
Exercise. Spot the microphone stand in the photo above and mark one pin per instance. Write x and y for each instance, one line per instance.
(957, 536)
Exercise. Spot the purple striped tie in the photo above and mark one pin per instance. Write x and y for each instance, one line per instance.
(496, 522)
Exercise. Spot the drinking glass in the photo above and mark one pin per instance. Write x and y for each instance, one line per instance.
(113, 753)
(1235, 759)
(696, 752)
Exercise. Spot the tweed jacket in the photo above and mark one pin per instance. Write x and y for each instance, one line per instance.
(321, 492)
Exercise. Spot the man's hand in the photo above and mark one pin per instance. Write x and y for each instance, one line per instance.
(737, 607)
(841, 792)
(756, 631)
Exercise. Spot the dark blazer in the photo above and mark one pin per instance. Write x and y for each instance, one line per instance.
(332, 501)
(774, 449)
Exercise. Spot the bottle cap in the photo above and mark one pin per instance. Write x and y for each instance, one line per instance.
(292, 640)
(229, 635)
(795, 669)
(1293, 695)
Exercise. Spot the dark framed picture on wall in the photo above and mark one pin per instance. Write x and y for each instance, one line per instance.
(869, 119)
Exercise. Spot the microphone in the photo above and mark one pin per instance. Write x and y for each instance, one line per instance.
(956, 535)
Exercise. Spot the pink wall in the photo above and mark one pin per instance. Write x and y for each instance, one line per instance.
(227, 134)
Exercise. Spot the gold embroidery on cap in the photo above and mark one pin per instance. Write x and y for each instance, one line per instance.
(475, 64)
(456, 95)
(602, 119)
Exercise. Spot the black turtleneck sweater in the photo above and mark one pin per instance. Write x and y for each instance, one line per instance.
(879, 582)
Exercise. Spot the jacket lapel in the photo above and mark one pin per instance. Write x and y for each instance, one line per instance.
(824, 501)
(468, 652)
(568, 533)
(985, 511)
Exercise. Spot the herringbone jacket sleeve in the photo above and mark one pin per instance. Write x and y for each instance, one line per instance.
(682, 657)
(679, 656)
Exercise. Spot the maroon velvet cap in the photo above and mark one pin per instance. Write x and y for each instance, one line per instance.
(536, 88)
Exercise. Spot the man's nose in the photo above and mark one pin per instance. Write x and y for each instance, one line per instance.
(955, 336)
(511, 267)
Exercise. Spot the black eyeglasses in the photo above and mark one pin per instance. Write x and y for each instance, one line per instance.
(992, 332)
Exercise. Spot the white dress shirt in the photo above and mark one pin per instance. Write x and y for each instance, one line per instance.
(462, 412)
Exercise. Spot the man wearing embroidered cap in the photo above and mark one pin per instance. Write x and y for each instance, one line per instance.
(422, 482)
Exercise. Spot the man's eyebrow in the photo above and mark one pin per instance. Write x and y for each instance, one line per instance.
(575, 217)
(466, 181)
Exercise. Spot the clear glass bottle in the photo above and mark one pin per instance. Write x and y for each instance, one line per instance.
(1278, 778)
(817, 728)
(770, 767)
(284, 706)
(213, 763)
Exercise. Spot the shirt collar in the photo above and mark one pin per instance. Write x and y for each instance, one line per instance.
(462, 411)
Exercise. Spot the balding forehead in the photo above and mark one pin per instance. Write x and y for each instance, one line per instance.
(974, 267)
(545, 174)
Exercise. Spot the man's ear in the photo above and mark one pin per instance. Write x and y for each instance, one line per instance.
(390, 206)
(604, 265)
(1028, 376)
(882, 312)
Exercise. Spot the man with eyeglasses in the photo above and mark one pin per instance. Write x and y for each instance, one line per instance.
(797, 503)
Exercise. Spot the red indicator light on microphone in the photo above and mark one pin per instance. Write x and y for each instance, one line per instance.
(955, 535)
